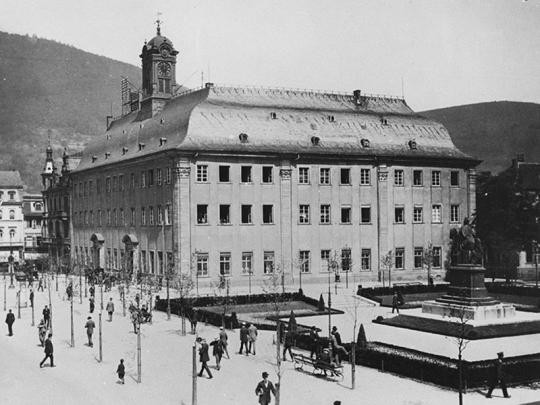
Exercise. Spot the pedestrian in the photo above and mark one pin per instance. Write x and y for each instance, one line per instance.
(134, 319)
(90, 325)
(264, 390)
(217, 351)
(287, 344)
(10, 318)
(42, 331)
(40, 284)
(194, 319)
(92, 305)
(252, 338)
(92, 291)
(395, 302)
(47, 316)
(224, 340)
(32, 298)
(204, 358)
(48, 351)
(110, 308)
(121, 371)
(69, 291)
(337, 346)
(244, 337)
(314, 337)
(499, 377)
(121, 291)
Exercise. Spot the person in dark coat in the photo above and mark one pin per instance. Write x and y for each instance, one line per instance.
(288, 344)
(92, 291)
(47, 316)
(314, 336)
(90, 325)
(69, 291)
(92, 305)
(40, 284)
(264, 390)
(244, 338)
(10, 318)
(32, 298)
(224, 340)
(48, 351)
(204, 358)
(217, 351)
(121, 371)
(337, 347)
(499, 377)
(395, 302)
(194, 319)
(42, 332)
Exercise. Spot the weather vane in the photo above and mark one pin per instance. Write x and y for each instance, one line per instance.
(158, 23)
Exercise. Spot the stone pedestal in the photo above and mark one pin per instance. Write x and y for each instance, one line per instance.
(467, 295)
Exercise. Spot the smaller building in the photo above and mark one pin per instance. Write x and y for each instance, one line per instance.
(11, 217)
(33, 221)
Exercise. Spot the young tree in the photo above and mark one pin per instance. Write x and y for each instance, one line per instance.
(427, 260)
(184, 284)
(387, 262)
(459, 317)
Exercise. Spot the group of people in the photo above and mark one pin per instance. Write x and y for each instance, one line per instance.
(219, 348)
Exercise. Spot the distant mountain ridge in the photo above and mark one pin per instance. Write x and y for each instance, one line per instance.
(50, 88)
(494, 132)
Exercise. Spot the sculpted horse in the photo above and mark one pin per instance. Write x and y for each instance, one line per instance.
(465, 245)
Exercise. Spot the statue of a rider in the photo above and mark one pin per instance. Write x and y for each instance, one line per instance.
(466, 247)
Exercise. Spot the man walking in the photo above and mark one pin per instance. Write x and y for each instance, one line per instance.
(314, 336)
(498, 377)
(288, 344)
(90, 325)
(48, 351)
(224, 340)
(92, 291)
(204, 358)
(110, 308)
(395, 302)
(10, 318)
(264, 390)
(47, 316)
(252, 338)
(32, 298)
(244, 337)
(92, 305)
(121, 371)
(40, 284)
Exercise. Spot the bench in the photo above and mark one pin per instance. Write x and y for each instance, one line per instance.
(319, 367)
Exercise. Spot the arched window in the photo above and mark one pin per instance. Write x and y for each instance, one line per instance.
(38, 206)
(12, 233)
(11, 214)
(1, 233)
(0, 214)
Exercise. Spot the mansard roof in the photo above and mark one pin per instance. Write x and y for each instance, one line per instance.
(240, 120)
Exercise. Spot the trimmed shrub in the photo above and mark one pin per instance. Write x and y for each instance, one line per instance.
(320, 305)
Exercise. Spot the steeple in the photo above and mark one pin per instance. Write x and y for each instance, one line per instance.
(48, 169)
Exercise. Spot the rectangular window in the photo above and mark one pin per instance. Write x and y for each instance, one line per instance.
(122, 218)
(168, 214)
(143, 179)
(132, 218)
(454, 178)
(418, 215)
(304, 261)
(399, 215)
(202, 214)
(202, 173)
(437, 256)
(132, 180)
(418, 256)
(303, 175)
(325, 214)
(303, 217)
(108, 217)
(365, 260)
(436, 178)
(115, 259)
(202, 264)
(346, 259)
(152, 261)
(399, 258)
(398, 178)
(365, 215)
(90, 186)
(324, 175)
(224, 174)
(247, 262)
(325, 258)
(224, 214)
(121, 182)
(267, 174)
(144, 262)
(417, 178)
(245, 174)
(268, 215)
(436, 213)
(160, 262)
(114, 184)
(225, 264)
(150, 177)
(158, 177)
(345, 176)
(159, 215)
(151, 215)
(108, 184)
(143, 216)
(246, 214)
(168, 175)
(345, 215)
(268, 262)
(365, 177)
(454, 213)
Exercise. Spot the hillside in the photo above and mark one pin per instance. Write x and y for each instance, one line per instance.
(48, 87)
(493, 132)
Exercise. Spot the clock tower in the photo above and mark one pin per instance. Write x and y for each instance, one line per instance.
(158, 72)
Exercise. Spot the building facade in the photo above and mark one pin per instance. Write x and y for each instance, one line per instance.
(241, 182)
(11, 217)
(34, 249)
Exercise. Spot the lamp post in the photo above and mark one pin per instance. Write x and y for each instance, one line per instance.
(11, 259)
(535, 251)
(329, 312)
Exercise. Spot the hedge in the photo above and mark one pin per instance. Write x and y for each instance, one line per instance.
(374, 293)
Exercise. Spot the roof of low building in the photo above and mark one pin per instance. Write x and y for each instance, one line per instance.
(11, 178)
(276, 121)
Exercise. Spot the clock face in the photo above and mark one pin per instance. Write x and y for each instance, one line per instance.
(164, 69)
(165, 52)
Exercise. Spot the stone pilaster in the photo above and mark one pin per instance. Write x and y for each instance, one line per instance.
(471, 191)
(285, 219)
(383, 216)
(182, 216)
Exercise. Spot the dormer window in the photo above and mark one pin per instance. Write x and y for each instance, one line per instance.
(365, 143)
(384, 121)
(141, 146)
(315, 140)
(412, 144)
(243, 138)
(162, 121)
(124, 150)
(162, 141)
(331, 118)
(108, 137)
(107, 155)
(273, 115)
(94, 158)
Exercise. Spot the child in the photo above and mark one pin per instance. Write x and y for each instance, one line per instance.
(121, 371)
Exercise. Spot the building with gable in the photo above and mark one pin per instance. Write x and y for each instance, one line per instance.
(241, 182)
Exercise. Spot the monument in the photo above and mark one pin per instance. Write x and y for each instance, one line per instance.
(467, 295)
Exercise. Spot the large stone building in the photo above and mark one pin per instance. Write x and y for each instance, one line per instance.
(241, 181)
(32, 208)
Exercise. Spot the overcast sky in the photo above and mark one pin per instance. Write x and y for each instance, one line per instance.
(445, 52)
